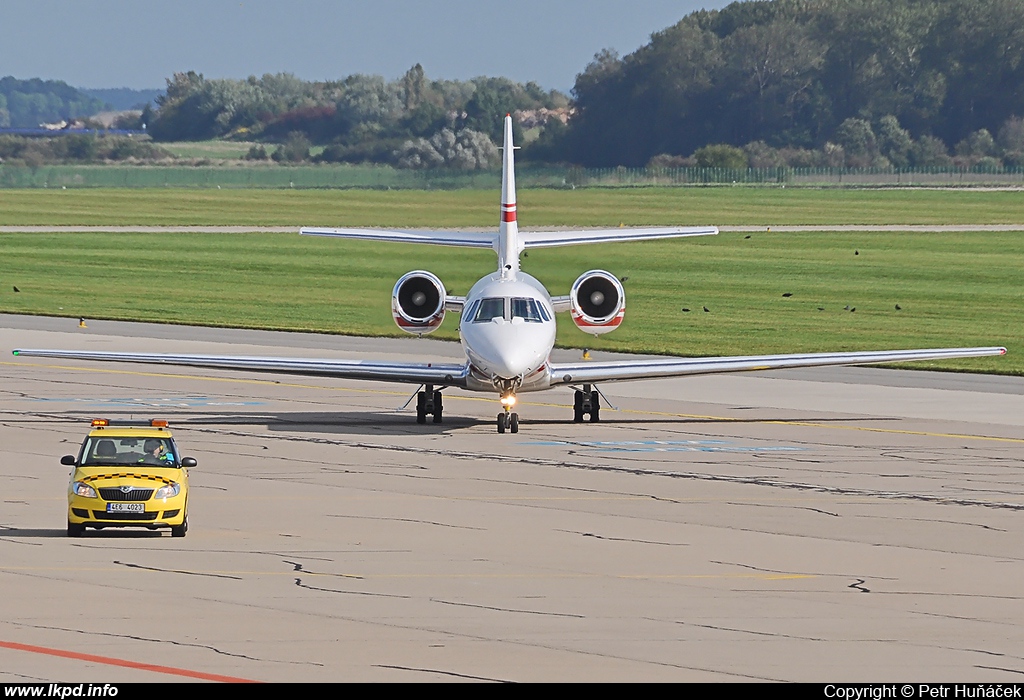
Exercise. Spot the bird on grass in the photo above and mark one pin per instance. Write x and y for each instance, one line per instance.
(16, 289)
(788, 294)
(707, 310)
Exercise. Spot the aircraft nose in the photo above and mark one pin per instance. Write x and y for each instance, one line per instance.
(513, 362)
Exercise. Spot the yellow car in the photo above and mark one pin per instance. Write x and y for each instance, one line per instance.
(128, 474)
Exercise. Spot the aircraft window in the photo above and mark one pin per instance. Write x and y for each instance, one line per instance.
(491, 307)
(527, 309)
(468, 313)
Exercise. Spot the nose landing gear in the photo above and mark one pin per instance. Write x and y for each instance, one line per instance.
(508, 419)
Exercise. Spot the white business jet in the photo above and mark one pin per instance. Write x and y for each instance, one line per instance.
(507, 325)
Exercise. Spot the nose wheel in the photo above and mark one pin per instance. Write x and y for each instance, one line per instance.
(508, 421)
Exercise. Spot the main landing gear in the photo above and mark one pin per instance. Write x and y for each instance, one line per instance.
(586, 402)
(428, 403)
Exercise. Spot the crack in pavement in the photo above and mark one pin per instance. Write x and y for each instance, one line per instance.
(754, 632)
(623, 539)
(511, 610)
(1000, 668)
(932, 520)
(166, 641)
(788, 506)
(785, 573)
(859, 586)
(443, 673)
(300, 584)
(175, 571)
(298, 567)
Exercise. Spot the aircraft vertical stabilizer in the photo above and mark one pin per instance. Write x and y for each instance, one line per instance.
(508, 228)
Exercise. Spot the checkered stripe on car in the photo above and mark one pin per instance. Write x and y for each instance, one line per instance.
(126, 475)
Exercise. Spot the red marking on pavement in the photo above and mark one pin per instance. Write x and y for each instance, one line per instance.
(109, 661)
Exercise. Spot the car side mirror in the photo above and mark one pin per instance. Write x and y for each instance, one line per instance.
(68, 460)
(189, 462)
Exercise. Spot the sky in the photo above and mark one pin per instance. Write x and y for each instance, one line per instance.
(140, 43)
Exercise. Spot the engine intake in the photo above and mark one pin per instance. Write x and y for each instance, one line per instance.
(417, 302)
(597, 302)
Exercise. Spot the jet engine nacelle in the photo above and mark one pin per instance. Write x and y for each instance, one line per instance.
(597, 302)
(417, 302)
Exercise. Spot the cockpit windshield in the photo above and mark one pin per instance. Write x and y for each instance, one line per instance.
(530, 310)
(527, 309)
(491, 307)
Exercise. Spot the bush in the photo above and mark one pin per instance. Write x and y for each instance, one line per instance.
(666, 160)
(256, 152)
(295, 149)
(721, 155)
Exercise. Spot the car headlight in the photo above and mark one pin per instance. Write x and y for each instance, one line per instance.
(167, 491)
(82, 489)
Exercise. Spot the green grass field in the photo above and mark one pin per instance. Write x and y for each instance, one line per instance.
(212, 150)
(954, 289)
(479, 208)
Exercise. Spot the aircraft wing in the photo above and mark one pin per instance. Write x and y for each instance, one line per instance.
(462, 239)
(551, 239)
(442, 374)
(590, 372)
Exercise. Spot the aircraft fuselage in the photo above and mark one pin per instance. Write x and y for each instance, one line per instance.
(507, 330)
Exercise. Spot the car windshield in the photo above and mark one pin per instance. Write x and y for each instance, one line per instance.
(491, 307)
(128, 450)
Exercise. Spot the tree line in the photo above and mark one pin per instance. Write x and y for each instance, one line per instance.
(760, 83)
(25, 104)
(809, 82)
(410, 122)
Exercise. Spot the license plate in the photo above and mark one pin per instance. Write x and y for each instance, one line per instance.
(126, 507)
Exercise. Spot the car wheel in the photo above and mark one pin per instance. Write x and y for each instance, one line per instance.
(75, 529)
(180, 530)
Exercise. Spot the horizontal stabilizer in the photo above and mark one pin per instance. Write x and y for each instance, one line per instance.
(462, 239)
(550, 239)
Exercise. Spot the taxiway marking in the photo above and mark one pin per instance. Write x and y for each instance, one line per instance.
(111, 661)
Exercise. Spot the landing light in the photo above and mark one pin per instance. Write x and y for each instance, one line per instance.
(509, 400)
